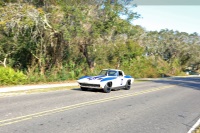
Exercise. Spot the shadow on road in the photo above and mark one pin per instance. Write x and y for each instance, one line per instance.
(89, 90)
(92, 90)
(189, 82)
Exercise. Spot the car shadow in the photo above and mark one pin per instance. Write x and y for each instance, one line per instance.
(92, 90)
(89, 90)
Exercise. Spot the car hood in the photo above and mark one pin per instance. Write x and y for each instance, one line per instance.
(96, 78)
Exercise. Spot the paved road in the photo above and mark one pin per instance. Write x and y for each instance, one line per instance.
(159, 106)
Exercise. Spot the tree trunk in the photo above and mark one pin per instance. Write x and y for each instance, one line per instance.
(90, 61)
(118, 64)
(4, 62)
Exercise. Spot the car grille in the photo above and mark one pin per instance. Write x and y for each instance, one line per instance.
(89, 85)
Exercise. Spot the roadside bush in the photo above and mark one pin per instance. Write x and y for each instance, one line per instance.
(68, 72)
(141, 68)
(9, 76)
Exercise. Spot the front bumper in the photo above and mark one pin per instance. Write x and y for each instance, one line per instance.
(89, 85)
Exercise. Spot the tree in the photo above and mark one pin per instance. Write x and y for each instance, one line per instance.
(29, 28)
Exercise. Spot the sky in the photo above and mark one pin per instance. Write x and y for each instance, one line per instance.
(184, 18)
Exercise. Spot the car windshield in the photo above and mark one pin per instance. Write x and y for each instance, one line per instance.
(108, 72)
(103, 72)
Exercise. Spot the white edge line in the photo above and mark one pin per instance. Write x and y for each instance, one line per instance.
(194, 126)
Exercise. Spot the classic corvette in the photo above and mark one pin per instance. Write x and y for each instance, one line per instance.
(108, 79)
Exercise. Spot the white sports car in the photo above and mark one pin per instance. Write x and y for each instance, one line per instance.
(108, 79)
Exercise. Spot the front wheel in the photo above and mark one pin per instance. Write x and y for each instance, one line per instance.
(128, 85)
(107, 87)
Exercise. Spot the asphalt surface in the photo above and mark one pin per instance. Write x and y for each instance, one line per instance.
(159, 106)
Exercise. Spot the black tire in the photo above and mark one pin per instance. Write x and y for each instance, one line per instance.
(107, 88)
(84, 89)
(128, 85)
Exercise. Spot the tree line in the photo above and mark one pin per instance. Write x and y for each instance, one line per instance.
(54, 40)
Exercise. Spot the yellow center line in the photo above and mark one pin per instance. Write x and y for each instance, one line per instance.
(70, 107)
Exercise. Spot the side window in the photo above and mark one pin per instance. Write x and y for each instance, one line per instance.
(117, 74)
(120, 73)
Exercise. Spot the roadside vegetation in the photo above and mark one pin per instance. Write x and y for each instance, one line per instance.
(197, 129)
(57, 40)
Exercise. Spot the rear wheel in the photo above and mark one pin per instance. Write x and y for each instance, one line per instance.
(128, 85)
(107, 87)
(84, 89)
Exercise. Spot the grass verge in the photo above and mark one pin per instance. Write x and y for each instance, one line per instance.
(197, 130)
(33, 91)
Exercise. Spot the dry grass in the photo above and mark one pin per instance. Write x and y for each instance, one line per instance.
(197, 130)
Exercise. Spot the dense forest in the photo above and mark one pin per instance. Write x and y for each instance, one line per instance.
(56, 40)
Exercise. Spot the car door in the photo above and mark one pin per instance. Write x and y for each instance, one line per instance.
(120, 79)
